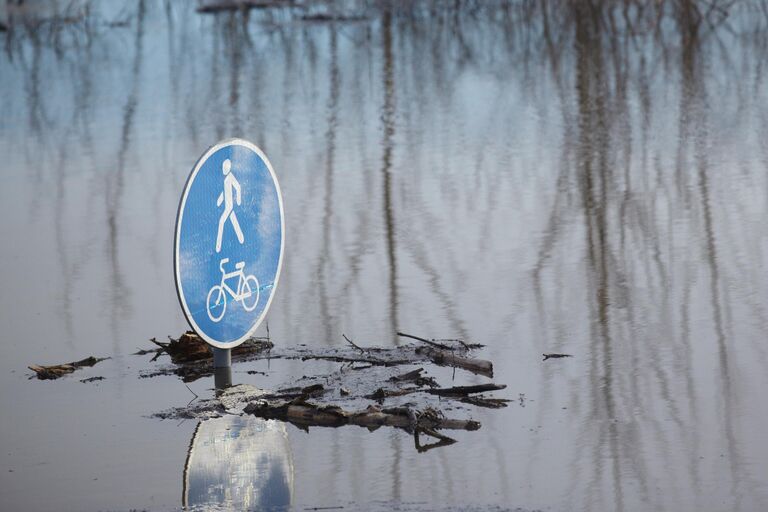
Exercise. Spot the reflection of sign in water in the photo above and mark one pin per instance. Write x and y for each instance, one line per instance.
(231, 211)
(239, 463)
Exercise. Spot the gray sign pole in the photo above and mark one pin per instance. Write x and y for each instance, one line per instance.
(222, 357)
(222, 367)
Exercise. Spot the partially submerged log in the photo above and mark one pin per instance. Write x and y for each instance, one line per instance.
(304, 415)
(466, 390)
(59, 370)
(445, 358)
(309, 415)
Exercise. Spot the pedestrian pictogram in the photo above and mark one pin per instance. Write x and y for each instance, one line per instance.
(230, 185)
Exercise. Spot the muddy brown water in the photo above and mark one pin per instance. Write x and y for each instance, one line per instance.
(540, 178)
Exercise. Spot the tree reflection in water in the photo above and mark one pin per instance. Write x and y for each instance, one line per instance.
(586, 178)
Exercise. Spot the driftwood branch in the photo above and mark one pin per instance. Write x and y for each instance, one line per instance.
(459, 392)
(466, 390)
(444, 358)
(59, 370)
(482, 401)
(435, 342)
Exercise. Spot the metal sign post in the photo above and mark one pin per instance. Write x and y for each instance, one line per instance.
(222, 367)
(228, 248)
(222, 357)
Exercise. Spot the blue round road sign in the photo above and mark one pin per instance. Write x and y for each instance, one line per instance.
(229, 242)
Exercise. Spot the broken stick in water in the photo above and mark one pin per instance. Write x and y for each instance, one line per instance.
(353, 343)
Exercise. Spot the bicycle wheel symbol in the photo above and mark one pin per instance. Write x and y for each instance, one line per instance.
(216, 304)
(249, 295)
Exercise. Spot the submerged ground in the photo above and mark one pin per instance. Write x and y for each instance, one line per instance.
(536, 177)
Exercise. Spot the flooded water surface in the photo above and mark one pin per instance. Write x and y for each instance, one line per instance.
(535, 176)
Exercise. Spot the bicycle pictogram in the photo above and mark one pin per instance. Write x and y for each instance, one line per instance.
(247, 291)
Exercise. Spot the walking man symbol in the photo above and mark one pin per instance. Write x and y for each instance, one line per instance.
(230, 184)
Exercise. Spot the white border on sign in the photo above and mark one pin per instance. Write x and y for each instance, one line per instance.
(179, 218)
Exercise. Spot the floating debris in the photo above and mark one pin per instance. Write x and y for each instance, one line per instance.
(59, 370)
(555, 356)
(190, 347)
(324, 17)
(241, 5)
(354, 394)
(191, 356)
(92, 379)
(245, 399)
(454, 392)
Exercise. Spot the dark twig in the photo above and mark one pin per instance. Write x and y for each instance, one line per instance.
(424, 340)
(353, 344)
(442, 440)
(59, 370)
(190, 390)
(142, 352)
(467, 346)
(163, 346)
